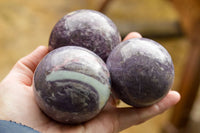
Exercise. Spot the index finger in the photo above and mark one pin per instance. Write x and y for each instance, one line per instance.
(133, 116)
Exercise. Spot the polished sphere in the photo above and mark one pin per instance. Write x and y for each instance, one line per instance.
(86, 28)
(71, 84)
(142, 71)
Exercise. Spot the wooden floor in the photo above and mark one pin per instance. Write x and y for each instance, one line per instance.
(27, 24)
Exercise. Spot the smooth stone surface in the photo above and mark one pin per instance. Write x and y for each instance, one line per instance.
(87, 28)
(142, 71)
(72, 84)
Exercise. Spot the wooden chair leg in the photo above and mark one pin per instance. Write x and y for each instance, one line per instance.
(188, 89)
(190, 18)
(104, 5)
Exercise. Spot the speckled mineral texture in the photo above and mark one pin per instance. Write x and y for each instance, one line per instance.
(87, 28)
(142, 71)
(71, 84)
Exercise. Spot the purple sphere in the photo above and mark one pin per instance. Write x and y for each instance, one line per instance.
(86, 28)
(141, 70)
(71, 84)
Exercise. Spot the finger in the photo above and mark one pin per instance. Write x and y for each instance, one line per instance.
(24, 68)
(114, 119)
(112, 102)
(132, 35)
(133, 116)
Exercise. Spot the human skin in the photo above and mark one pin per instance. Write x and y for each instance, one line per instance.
(17, 103)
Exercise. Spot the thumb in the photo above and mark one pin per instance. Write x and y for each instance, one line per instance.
(24, 68)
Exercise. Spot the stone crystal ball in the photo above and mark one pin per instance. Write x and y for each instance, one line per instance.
(71, 84)
(141, 70)
(86, 28)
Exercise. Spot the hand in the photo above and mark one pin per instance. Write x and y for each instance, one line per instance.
(17, 103)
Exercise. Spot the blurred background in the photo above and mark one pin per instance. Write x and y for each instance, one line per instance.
(26, 24)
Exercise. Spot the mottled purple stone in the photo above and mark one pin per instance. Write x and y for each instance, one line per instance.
(142, 71)
(86, 28)
(71, 84)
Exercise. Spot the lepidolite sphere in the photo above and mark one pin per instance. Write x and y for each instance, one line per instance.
(142, 71)
(71, 84)
(86, 28)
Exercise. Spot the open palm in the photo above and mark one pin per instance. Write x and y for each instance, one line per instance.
(17, 103)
